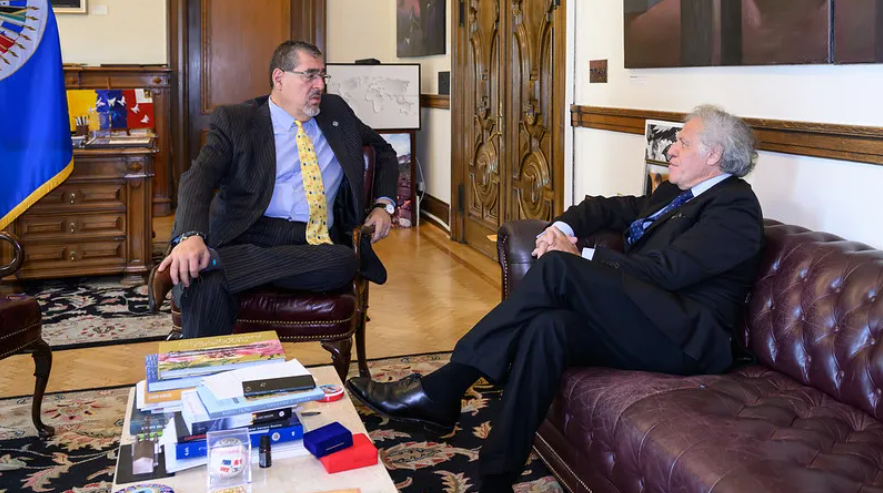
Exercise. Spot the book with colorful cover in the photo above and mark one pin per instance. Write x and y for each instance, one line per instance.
(154, 384)
(190, 357)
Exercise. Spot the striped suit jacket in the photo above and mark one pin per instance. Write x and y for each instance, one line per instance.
(239, 160)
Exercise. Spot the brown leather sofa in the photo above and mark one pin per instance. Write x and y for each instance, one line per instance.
(806, 417)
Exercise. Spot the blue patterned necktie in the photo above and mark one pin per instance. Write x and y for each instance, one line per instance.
(637, 228)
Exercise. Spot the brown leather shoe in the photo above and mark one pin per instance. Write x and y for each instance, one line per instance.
(158, 286)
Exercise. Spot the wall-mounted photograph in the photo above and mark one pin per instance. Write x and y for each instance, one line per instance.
(68, 6)
(658, 139)
(690, 33)
(404, 146)
(420, 27)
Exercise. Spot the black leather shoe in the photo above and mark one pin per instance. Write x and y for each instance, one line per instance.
(406, 401)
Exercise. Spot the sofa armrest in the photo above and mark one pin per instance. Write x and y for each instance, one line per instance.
(18, 255)
(515, 241)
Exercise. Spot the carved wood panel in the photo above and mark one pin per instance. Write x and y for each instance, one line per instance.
(509, 117)
(485, 102)
(533, 75)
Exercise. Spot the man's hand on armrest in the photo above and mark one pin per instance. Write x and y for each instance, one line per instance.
(554, 240)
(380, 219)
(189, 256)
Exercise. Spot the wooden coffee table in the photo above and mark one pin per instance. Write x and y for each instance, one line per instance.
(301, 474)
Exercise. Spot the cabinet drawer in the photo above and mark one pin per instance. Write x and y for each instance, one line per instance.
(68, 227)
(71, 197)
(60, 259)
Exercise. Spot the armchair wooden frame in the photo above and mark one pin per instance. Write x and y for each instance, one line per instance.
(21, 332)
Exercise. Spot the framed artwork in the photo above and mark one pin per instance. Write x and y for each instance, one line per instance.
(69, 6)
(691, 33)
(420, 27)
(384, 97)
(658, 138)
(405, 198)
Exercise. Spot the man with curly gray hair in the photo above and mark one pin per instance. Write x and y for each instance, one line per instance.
(669, 301)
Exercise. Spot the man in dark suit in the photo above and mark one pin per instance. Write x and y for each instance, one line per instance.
(289, 173)
(669, 303)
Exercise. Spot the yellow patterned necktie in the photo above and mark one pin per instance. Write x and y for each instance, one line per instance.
(317, 227)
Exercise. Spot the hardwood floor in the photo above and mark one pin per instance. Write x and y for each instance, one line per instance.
(437, 290)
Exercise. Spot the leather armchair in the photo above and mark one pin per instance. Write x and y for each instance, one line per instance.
(333, 318)
(21, 332)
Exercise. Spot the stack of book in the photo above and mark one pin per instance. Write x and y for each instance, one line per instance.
(181, 365)
(224, 383)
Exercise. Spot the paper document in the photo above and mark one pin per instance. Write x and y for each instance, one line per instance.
(228, 385)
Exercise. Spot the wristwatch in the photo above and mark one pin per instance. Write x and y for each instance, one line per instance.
(188, 234)
(386, 207)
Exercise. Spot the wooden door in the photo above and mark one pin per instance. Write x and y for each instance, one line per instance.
(508, 116)
(482, 102)
(222, 51)
(535, 181)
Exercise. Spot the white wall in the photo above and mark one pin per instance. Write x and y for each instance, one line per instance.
(359, 29)
(132, 31)
(823, 194)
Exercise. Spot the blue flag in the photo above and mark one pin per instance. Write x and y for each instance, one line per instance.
(35, 141)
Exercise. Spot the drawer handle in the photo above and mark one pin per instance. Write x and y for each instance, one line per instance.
(73, 197)
(73, 228)
(73, 255)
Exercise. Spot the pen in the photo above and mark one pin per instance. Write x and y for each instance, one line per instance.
(310, 413)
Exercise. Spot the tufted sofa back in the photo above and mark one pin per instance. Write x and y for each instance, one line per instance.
(816, 314)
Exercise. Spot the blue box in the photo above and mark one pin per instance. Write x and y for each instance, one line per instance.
(328, 439)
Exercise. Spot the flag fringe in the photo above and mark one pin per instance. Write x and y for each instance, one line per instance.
(36, 195)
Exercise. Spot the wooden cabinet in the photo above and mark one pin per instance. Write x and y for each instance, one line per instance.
(99, 221)
(158, 80)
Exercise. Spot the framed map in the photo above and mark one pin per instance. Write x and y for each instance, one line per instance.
(384, 97)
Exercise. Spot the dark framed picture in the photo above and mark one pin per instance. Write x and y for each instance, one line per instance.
(69, 6)
(658, 137)
(420, 27)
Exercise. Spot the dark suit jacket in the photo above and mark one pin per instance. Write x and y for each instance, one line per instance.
(239, 160)
(692, 269)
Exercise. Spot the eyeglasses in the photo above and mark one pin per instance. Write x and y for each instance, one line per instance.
(311, 76)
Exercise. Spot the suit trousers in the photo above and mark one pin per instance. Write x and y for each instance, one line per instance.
(272, 251)
(566, 312)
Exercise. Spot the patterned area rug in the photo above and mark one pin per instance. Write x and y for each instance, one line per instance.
(96, 311)
(82, 455)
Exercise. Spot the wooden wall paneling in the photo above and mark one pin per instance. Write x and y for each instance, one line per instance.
(178, 57)
(458, 114)
(863, 144)
(308, 21)
(437, 208)
(217, 68)
(438, 101)
(158, 80)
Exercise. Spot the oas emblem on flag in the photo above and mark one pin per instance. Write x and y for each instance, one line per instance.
(22, 23)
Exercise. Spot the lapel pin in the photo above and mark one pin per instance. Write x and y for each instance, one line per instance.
(334, 123)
